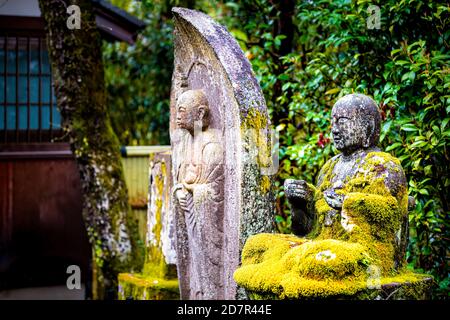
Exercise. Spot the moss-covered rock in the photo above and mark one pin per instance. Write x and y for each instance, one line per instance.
(277, 266)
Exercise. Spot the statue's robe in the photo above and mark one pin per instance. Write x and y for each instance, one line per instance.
(374, 209)
(200, 223)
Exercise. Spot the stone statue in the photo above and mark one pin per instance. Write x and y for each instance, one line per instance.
(219, 124)
(361, 170)
(199, 194)
(355, 219)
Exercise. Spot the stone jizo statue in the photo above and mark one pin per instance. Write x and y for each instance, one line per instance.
(353, 222)
(360, 171)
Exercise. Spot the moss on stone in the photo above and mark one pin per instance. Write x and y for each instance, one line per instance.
(253, 129)
(335, 260)
(141, 287)
(285, 266)
(265, 184)
(158, 280)
(374, 215)
(155, 262)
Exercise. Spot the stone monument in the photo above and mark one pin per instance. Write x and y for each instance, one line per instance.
(158, 279)
(220, 141)
(354, 222)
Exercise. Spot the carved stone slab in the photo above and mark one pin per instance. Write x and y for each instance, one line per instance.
(222, 193)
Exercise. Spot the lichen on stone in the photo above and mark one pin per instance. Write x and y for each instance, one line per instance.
(158, 279)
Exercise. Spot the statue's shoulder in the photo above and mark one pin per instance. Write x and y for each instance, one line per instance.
(330, 163)
(382, 164)
(335, 158)
(380, 158)
(211, 136)
(211, 139)
(212, 148)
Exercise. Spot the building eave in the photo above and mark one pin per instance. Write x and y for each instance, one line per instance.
(113, 23)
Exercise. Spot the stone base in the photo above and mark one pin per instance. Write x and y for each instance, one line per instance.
(417, 290)
(141, 287)
(281, 266)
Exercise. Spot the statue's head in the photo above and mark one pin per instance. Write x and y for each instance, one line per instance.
(192, 111)
(356, 123)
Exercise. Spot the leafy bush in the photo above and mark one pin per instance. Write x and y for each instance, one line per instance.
(138, 76)
(404, 66)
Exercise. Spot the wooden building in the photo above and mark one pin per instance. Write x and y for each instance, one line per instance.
(41, 227)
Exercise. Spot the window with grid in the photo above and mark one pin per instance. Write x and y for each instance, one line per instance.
(28, 111)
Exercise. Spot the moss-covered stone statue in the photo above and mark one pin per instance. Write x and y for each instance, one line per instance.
(353, 223)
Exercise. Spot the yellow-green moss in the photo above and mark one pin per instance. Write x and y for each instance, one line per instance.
(285, 266)
(141, 287)
(327, 259)
(253, 129)
(369, 205)
(155, 264)
(265, 184)
(378, 157)
(158, 279)
(381, 213)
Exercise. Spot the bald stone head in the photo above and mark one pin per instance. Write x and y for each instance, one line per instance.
(356, 122)
(192, 111)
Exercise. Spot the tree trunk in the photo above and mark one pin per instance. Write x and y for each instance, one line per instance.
(80, 91)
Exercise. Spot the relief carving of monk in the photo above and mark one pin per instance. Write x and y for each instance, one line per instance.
(199, 198)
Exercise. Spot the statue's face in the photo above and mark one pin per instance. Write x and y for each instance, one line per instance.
(192, 111)
(186, 115)
(349, 131)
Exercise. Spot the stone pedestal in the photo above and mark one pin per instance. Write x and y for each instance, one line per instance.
(270, 270)
(158, 280)
(419, 287)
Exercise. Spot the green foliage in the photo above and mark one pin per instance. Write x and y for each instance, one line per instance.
(138, 76)
(404, 66)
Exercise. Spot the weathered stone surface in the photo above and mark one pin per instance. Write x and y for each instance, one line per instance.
(135, 161)
(161, 254)
(158, 279)
(355, 221)
(220, 193)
